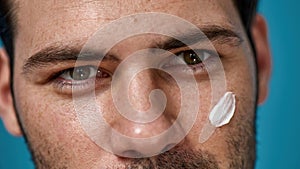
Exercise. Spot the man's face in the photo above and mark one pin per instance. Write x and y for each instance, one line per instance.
(43, 88)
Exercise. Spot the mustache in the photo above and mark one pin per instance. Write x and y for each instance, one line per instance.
(176, 159)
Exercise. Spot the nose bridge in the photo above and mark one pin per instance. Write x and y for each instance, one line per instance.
(140, 88)
(148, 110)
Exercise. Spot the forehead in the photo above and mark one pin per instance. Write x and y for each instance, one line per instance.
(42, 23)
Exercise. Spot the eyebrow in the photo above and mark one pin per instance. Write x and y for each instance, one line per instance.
(59, 52)
(212, 33)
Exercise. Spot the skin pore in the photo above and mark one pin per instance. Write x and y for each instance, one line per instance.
(48, 29)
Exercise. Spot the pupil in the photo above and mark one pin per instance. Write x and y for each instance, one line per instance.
(81, 73)
(191, 58)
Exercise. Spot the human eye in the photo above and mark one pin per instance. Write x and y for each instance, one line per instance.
(190, 57)
(80, 79)
(196, 60)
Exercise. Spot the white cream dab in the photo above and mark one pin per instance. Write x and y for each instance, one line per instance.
(220, 115)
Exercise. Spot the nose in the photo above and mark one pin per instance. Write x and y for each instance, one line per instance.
(143, 140)
(134, 138)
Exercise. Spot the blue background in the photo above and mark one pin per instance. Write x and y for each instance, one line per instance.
(277, 124)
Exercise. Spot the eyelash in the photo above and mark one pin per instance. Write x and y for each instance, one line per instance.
(67, 86)
(197, 68)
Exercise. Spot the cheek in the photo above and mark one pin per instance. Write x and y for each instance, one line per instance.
(46, 117)
(52, 128)
(241, 78)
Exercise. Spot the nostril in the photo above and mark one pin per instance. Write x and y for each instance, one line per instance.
(168, 147)
(132, 154)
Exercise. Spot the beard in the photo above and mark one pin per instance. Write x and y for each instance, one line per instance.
(176, 159)
(241, 154)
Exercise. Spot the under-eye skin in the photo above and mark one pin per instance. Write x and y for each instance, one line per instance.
(80, 79)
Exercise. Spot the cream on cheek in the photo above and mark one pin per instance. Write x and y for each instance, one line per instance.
(220, 115)
(223, 111)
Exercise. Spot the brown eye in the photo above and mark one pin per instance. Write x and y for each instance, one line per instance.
(191, 58)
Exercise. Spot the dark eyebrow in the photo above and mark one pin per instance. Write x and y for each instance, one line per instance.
(212, 33)
(60, 52)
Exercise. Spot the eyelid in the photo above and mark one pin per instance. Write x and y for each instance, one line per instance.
(181, 68)
(197, 51)
(65, 85)
(172, 59)
(68, 72)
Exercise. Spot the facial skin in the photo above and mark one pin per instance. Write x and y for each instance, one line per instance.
(46, 109)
